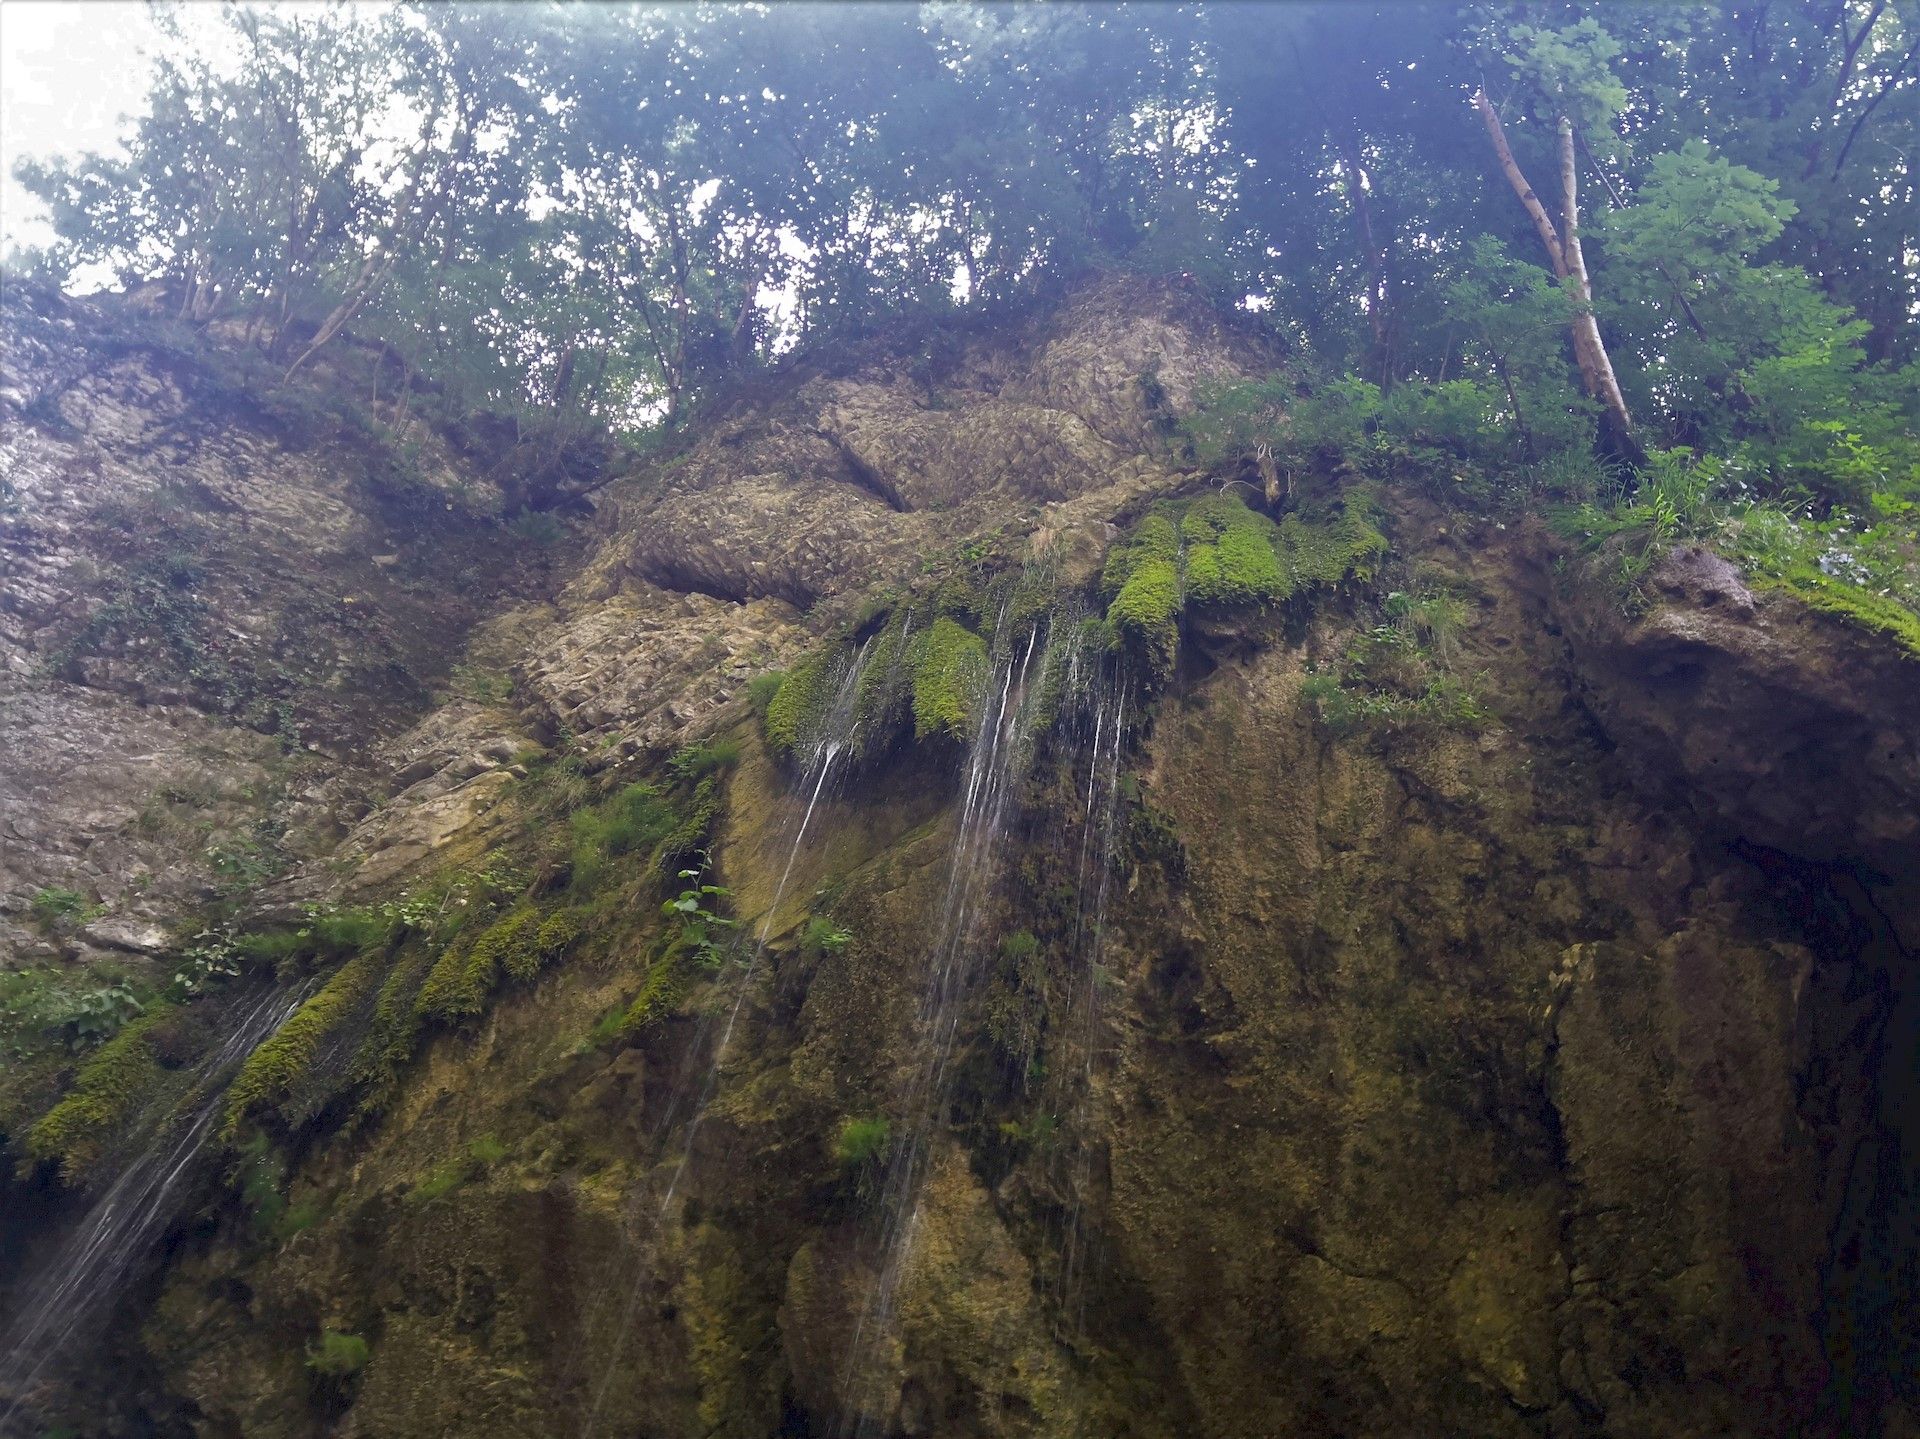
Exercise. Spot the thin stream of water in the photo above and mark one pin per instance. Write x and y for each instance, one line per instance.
(78, 1282)
(1084, 1005)
(997, 761)
(834, 739)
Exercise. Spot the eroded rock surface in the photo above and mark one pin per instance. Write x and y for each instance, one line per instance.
(1502, 1078)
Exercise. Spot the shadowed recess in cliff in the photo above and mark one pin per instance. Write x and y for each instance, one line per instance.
(75, 1288)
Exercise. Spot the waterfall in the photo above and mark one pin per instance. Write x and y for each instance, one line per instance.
(1084, 1009)
(820, 754)
(74, 1287)
(997, 761)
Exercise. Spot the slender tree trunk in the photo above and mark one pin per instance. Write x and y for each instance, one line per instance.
(1569, 267)
(1586, 323)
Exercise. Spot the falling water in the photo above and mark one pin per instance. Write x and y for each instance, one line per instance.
(1095, 879)
(821, 752)
(996, 762)
(75, 1287)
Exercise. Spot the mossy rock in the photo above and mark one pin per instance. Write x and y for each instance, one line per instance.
(950, 674)
(797, 708)
(1330, 553)
(274, 1070)
(1154, 540)
(1877, 614)
(1230, 557)
(1147, 608)
(116, 1079)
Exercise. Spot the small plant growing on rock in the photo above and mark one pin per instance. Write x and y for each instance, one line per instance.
(338, 1356)
(702, 931)
(60, 911)
(862, 1140)
(823, 936)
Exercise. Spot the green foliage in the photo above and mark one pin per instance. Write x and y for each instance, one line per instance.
(1020, 947)
(558, 933)
(338, 1356)
(120, 1076)
(637, 817)
(70, 1009)
(396, 1020)
(261, 1173)
(701, 931)
(448, 990)
(665, 983)
(60, 910)
(486, 1151)
(1154, 540)
(760, 692)
(441, 1181)
(1864, 571)
(1877, 614)
(1146, 609)
(1216, 552)
(483, 686)
(796, 709)
(950, 675)
(1400, 675)
(505, 945)
(697, 761)
(823, 936)
(1333, 552)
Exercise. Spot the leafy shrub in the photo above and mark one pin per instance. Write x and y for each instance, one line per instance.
(71, 1009)
(823, 936)
(697, 761)
(638, 816)
(701, 931)
(59, 910)
(760, 692)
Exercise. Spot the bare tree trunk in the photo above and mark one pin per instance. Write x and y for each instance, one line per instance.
(1569, 267)
(1586, 323)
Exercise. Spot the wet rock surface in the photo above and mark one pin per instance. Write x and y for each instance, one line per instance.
(1506, 1079)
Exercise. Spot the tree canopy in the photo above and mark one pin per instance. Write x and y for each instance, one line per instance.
(1695, 222)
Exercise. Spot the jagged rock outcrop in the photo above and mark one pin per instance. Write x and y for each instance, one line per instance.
(1791, 728)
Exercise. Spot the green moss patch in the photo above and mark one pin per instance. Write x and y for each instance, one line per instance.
(950, 673)
(1230, 557)
(798, 706)
(1877, 614)
(1348, 547)
(1154, 540)
(110, 1087)
(1217, 554)
(273, 1072)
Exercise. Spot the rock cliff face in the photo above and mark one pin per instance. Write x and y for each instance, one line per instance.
(1491, 1023)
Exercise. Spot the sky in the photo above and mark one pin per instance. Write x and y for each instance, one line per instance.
(69, 69)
